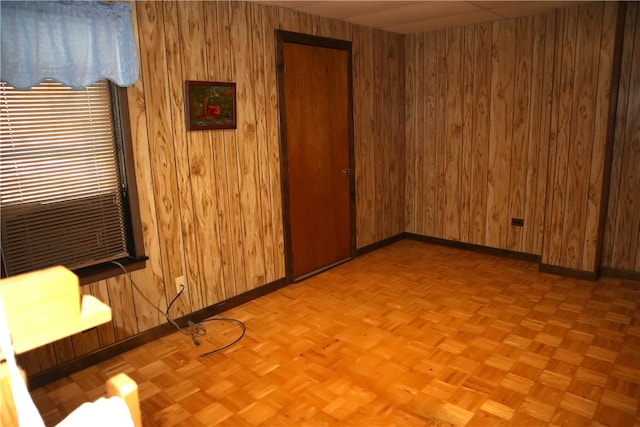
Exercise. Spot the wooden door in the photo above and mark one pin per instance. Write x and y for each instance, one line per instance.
(317, 155)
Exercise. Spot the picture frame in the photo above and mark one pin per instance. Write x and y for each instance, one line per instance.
(210, 105)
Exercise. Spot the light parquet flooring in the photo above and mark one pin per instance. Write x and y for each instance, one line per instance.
(409, 335)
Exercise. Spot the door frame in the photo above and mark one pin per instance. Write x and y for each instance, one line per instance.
(283, 37)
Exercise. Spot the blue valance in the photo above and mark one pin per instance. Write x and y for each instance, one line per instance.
(74, 42)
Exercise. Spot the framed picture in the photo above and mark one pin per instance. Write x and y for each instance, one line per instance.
(210, 105)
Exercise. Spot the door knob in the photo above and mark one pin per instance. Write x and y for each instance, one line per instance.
(346, 171)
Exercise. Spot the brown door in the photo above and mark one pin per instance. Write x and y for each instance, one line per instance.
(317, 143)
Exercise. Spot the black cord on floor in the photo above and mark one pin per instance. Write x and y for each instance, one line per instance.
(228, 319)
(195, 329)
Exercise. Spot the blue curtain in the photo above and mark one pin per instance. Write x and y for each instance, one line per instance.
(74, 42)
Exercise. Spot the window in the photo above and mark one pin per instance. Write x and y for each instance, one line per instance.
(67, 185)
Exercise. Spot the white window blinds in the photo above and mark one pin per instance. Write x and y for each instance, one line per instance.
(60, 185)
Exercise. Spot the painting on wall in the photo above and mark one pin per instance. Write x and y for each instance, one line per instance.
(210, 105)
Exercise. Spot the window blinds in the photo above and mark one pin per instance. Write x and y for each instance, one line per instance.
(60, 186)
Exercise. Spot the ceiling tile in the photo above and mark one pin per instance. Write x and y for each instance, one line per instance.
(419, 16)
(444, 22)
(348, 9)
(412, 13)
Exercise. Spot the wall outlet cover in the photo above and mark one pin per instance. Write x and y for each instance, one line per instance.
(517, 222)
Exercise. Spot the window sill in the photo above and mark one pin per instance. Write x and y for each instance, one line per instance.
(107, 270)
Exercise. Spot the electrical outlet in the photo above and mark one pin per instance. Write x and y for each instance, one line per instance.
(517, 222)
(180, 283)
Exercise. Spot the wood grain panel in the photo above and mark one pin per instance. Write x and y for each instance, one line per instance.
(581, 144)
(63, 350)
(481, 130)
(364, 124)
(149, 280)
(575, 203)
(564, 184)
(289, 20)
(453, 133)
(229, 161)
(31, 361)
(467, 132)
(415, 131)
(242, 48)
(600, 170)
(239, 47)
(500, 133)
(273, 141)
(379, 134)
(343, 30)
(415, 52)
(428, 99)
(537, 127)
(204, 264)
(382, 124)
(535, 114)
(538, 153)
(440, 140)
(40, 359)
(160, 130)
(305, 23)
(622, 235)
(187, 266)
(396, 168)
(520, 139)
(619, 134)
(553, 140)
(261, 91)
(320, 26)
(217, 58)
(632, 135)
(123, 312)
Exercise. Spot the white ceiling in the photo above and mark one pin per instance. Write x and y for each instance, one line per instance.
(404, 16)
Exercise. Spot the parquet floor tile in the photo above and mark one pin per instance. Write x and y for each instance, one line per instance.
(409, 335)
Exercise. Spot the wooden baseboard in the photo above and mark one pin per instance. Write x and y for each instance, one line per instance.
(380, 244)
(569, 272)
(620, 274)
(60, 371)
(546, 268)
(471, 247)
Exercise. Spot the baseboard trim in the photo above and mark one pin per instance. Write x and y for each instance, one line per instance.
(321, 270)
(381, 244)
(474, 248)
(620, 274)
(545, 268)
(569, 272)
(87, 360)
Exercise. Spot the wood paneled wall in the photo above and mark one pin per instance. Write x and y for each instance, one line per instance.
(477, 123)
(378, 108)
(578, 152)
(509, 120)
(622, 233)
(210, 201)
